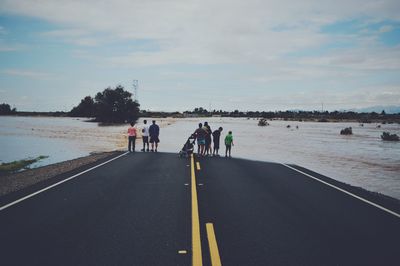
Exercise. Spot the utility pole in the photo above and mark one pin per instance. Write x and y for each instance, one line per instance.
(135, 89)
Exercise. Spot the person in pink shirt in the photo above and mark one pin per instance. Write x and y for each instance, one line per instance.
(131, 138)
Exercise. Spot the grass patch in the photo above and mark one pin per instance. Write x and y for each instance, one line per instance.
(16, 166)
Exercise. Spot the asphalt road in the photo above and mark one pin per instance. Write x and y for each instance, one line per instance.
(138, 210)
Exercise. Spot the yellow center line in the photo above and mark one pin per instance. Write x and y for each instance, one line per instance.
(196, 240)
(198, 166)
(212, 243)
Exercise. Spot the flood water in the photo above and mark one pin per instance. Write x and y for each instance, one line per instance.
(362, 159)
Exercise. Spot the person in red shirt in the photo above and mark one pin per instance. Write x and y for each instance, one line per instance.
(131, 138)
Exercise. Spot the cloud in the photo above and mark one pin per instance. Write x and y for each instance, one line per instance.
(11, 47)
(209, 32)
(75, 36)
(386, 28)
(314, 99)
(268, 44)
(8, 48)
(28, 74)
(386, 95)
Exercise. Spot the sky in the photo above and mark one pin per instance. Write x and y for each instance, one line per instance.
(246, 55)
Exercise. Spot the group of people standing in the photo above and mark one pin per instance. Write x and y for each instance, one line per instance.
(152, 132)
(203, 135)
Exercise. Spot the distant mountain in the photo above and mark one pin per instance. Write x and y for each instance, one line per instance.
(391, 109)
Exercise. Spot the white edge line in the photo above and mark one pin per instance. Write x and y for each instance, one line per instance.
(58, 183)
(348, 193)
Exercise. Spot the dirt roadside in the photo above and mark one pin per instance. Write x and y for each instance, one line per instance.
(16, 181)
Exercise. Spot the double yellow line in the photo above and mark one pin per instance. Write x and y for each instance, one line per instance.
(197, 259)
(196, 240)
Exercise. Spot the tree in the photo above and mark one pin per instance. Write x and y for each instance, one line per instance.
(116, 106)
(5, 109)
(85, 109)
(110, 106)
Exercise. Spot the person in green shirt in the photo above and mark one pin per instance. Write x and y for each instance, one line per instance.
(228, 144)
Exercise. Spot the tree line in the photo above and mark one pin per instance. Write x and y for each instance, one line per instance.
(115, 105)
(320, 116)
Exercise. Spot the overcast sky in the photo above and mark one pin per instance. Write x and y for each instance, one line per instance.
(247, 55)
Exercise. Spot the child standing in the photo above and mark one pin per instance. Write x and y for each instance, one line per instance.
(131, 138)
(228, 144)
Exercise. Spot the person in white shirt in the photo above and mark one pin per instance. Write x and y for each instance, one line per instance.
(145, 136)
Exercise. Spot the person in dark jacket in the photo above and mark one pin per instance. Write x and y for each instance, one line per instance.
(154, 132)
(216, 135)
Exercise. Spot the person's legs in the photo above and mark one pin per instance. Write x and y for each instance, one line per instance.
(229, 150)
(133, 143)
(216, 147)
(130, 143)
(200, 143)
(152, 143)
(226, 150)
(146, 141)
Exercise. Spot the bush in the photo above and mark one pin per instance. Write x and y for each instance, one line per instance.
(263, 122)
(346, 131)
(389, 137)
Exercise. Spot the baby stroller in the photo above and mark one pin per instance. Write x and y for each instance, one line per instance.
(188, 148)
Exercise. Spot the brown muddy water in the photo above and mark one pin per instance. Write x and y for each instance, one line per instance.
(362, 159)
